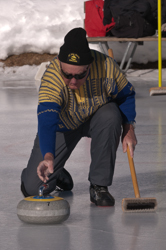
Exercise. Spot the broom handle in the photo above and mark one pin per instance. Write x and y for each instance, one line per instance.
(133, 174)
(110, 53)
(159, 45)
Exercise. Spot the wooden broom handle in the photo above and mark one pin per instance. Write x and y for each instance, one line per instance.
(133, 174)
(110, 53)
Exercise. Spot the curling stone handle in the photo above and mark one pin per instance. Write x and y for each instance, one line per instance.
(133, 174)
(42, 188)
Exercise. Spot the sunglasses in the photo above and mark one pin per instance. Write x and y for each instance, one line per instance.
(76, 76)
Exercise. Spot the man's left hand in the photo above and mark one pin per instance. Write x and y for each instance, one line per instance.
(129, 138)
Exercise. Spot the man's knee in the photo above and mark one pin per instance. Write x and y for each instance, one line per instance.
(29, 186)
(23, 190)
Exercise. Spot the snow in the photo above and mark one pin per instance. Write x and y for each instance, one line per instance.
(37, 25)
(40, 26)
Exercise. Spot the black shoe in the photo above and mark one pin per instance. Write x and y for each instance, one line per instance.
(64, 181)
(100, 196)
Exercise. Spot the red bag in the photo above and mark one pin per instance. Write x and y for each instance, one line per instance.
(94, 19)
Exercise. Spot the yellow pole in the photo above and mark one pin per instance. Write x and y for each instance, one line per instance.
(159, 45)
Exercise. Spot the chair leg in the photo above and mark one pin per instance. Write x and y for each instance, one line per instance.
(130, 57)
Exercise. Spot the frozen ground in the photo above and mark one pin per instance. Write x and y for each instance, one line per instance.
(88, 227)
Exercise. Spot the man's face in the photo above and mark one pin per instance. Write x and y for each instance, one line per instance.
(69, 71)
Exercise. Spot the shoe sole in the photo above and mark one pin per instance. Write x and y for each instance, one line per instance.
(102, 204)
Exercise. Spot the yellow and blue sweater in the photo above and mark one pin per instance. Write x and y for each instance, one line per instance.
(63, 109)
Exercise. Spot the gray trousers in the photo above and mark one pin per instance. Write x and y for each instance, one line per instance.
(104, 129)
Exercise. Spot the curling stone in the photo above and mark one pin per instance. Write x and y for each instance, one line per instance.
(43, 209)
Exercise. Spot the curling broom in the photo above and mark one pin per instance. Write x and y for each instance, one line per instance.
(137, 204)
(159, 90)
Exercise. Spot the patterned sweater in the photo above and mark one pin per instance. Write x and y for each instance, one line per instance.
(63, 109)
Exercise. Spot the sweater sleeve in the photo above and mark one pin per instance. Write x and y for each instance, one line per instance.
(126, 101)
(123, 94)
(48, 117)
(49, 107)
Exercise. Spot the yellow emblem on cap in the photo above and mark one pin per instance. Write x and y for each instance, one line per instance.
(73, 58)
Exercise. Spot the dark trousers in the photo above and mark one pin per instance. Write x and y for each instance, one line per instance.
(104, 129)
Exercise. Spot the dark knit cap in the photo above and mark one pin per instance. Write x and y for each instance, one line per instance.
(75, 49)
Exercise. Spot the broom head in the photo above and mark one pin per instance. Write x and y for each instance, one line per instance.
(139, 204)
(157, 91)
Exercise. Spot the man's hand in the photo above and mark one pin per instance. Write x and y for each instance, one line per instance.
(46, 167)
(129, 138)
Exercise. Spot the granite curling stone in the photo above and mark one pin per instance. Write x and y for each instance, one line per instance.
(43, 209)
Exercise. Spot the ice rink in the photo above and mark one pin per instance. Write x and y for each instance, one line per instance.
(88, 227)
